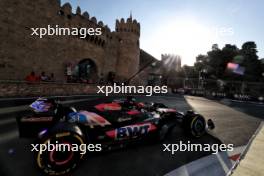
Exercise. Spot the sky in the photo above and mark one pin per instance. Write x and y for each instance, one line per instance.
(184, 27)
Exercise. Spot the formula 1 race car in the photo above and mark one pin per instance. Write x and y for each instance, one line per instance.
(100, 127)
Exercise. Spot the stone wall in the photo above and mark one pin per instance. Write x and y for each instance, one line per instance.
(21, 53)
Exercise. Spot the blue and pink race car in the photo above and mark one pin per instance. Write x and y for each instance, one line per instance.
(106, 125)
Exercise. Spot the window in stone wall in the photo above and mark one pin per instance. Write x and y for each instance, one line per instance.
(103, 43)
(60, 12)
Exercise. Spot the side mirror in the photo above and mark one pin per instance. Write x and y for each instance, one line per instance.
(190, 112)
(210, 124)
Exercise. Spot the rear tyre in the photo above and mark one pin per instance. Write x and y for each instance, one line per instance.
(159, 105)
(64, 158)
(194, 125)
(163, 132)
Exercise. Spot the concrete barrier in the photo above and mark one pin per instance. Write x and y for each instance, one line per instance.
(24, 89)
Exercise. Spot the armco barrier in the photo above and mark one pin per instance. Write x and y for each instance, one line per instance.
(216, 94)
(24, 89)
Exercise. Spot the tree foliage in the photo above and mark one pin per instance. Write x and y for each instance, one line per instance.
(216, 61)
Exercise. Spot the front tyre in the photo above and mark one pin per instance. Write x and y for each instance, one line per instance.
(194, 125)
(63, 154)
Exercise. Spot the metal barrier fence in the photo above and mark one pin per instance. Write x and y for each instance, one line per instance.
(238, 90)
(219, 95)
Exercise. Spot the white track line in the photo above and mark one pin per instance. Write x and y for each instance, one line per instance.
(13, 109)
(5, 137)
(7, 121)
(213, 165)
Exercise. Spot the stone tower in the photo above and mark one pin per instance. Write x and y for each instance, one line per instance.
(128, 33)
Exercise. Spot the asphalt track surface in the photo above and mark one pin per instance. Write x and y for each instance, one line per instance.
(235, 123)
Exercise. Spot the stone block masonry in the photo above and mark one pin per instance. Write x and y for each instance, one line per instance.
(21, 53)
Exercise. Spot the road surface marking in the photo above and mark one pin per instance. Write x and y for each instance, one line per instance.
(7, 121)
(215, 164)
(5, 137)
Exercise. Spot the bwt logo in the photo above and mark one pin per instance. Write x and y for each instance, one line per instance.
(132, 131)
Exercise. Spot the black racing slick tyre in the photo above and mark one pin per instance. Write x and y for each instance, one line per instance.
(162, 133)
(194, 125)
(63, 156)
(159, 105)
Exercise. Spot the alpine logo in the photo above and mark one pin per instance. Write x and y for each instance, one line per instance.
(131, 131)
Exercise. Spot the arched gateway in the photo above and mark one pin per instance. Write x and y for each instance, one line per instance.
(86, 71)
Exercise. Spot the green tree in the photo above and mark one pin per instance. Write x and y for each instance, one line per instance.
(201, 62)
(216, 60)
(253, 70)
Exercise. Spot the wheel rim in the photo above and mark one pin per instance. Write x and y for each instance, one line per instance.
(197, 126)
(60, 162)
(61, 157)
